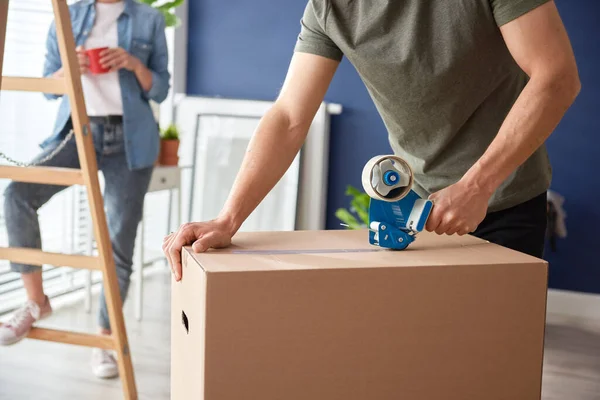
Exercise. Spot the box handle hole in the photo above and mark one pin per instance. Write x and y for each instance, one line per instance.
(184, 320)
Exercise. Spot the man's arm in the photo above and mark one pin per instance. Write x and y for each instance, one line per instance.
(539, 44)
(276, 141)
(280, 135)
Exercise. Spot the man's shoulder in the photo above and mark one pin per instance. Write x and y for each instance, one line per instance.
(319, 8)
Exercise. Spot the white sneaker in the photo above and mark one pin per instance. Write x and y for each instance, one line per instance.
(22, 321)
(104, 364)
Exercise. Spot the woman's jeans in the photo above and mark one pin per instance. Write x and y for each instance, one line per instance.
(123, 200)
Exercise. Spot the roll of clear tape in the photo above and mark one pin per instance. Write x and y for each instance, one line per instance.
(372, 174)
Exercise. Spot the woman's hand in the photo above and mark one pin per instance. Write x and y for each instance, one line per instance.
(201, 235)
(117, 58)
(82, 59)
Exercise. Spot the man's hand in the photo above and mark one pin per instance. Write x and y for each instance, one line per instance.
(274, 145)
(201, 235)
(459, 208)
(117, 58)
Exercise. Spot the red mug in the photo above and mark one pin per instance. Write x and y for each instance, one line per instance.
(94, 56)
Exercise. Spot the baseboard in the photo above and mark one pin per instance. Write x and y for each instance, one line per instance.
(574, 304)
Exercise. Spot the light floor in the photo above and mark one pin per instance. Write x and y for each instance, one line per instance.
(40, 370)
(48, 371)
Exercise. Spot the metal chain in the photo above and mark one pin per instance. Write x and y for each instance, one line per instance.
(43, 160)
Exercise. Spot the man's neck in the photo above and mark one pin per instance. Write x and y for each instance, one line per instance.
(108, 1)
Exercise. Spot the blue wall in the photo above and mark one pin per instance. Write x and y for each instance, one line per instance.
(241, 49)
(575, 154)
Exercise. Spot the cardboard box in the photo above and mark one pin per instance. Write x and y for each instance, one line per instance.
(324, 315)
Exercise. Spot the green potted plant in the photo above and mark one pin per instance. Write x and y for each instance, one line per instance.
(357, 216)
(169, 146)
(166, 8)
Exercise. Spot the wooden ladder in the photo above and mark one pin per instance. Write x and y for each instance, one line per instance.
(88, 176)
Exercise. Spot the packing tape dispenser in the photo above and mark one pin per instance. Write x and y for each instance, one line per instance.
(396, 212)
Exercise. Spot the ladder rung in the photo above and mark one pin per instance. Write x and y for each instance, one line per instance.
(45, 175)
(44, 85)
(39, 257)
(76, 338)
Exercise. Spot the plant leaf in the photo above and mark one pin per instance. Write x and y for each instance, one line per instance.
(346, 217)
(169, 5)
(363, 213)
(352, 191)
(362, 202)
(171, 20)
(171, 132)
(359, 203)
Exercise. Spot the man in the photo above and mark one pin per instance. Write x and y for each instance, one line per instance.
(468, 90)
(126, 143)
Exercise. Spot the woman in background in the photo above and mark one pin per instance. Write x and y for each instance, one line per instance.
(125, 136)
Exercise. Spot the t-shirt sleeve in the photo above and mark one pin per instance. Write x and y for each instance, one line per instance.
(508, 10)
(312, 38)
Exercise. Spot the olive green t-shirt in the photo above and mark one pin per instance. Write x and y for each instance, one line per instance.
(440, 75)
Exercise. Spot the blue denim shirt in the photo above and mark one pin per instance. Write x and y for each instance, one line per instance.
(141, 31)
